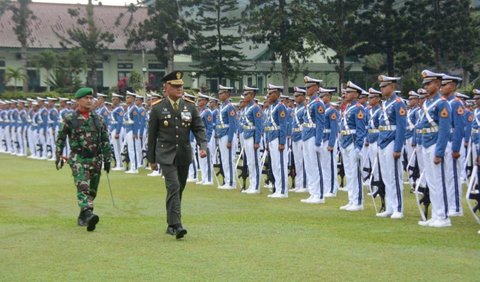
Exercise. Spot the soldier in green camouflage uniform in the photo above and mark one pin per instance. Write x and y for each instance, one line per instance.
(90, 147)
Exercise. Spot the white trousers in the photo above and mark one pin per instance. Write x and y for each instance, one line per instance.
(42, 143)
(329, 168)
(300, 177)
(117, 148)
(253, 162)
(193, 168)
(453, 171)
(311, 158)
(436, 180)
(22, 140)
(132, 145)
(372, 155)
(391, 170)
(353, 175)
(421, 164)
(206, 164)
(8, 139)
(31, 136)
(51, 140)
(409, 150)
(279, 167)
(228, 160)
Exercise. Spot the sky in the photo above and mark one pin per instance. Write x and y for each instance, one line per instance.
(104, 2)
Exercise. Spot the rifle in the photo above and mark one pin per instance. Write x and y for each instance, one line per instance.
(220, 166)
(380, 188)
(341, 169)
(243, 169)
(471, 195)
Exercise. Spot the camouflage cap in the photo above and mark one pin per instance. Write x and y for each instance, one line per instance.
(82, 92)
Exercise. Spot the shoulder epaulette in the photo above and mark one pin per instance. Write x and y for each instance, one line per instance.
(443, 98)
(188, 100)
(457, 99)
(359, 104)
(157, 102)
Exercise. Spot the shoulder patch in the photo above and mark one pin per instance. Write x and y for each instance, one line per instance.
(120, 113)
(156, 102)
(232, 113)
(143, 113)
(333, 116)
(470, 118)
(282, 114)
(320, 110)
(209, 118)
(259, 114)
(105, 113)
(135, 113)
(188, 100)
(460, 111)
(360, 115)
(402, 111)
(444, 113)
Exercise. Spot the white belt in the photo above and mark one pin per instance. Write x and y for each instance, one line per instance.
(296, 129)
(373, 131)
(327, 130)
(309, 125)
(128, 122)
(248, 127)
(347, 132)
(271, 128)
(428, 130)
(222, 126)
(387, 128)
(475, 131)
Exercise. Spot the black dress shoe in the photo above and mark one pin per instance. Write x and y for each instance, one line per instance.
(170, 230)
(180, 232)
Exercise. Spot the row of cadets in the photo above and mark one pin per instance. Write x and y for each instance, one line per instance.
(117, 132)
(42, 125)
(297, 142)
(226, 130)
(252, 138)
(276, 137)
(392, 126)
(352, 136)
(62, 113)
(52, 126)
(132, 129)
(435, 126)
(312, 136)
(142, 133)
(206, 164)
(454, 160)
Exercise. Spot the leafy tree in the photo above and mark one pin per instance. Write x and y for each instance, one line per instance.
(21, 17)
(65, 77)
(165, 26)
(88, 37)
(216, 40)
(15, 75)
(135, 80)
(274, 22)
(46, 59)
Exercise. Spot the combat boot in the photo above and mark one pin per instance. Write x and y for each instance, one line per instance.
(91, 219)
(81, 219)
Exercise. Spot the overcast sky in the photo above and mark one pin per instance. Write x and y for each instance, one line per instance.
(104, 2)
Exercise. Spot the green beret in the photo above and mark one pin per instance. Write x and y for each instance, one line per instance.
(82, 92)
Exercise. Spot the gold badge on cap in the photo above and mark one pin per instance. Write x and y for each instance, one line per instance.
(179, 75)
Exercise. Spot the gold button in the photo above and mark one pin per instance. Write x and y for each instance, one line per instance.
(177, 136)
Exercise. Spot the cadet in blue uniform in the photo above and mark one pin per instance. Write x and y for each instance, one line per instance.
(392, 126)
(116, 125)
(374, 112)
(435, 125)
(206, 164)
(276, 137)
(454, 160)
(352, 138)
(226, 129)
(312, 135)
(412, 116)
(132, 129)
(328, 153)
(297, 142)
(142, 123)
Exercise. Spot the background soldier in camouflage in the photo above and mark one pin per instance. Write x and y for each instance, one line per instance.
(89, 147)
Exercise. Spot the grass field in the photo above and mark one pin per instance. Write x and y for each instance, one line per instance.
(232, 236)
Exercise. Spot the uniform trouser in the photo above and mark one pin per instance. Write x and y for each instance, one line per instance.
(117, 149)
(253, 163)
(392, 178)
(22, 140)
(279, 167)
(31, 135)
(139, 148)
(435, 176)
(228, 160)
(453, 170)
(42, 143)
(51, 140)
(329, 168)
(13, 135)
(2, 139)
(193, 168)
(353, 175)
(409, 150)
(86, 176)
(421, 164)
(372, 156)
(8, 139)
(300, 177)
(132, 145)
(206, 164)
(175, 180)
(313, 168)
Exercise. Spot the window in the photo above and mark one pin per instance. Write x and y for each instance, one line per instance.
(33, 80)
(2, 64)
(2, 81)
(122, 74)
(125, 66)
(156, 66)
(99, 79)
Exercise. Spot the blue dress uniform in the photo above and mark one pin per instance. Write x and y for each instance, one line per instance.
(353, 131)
(329, 158)
(226, 129)
(252, 135)
(3, 117)
(454, 167)
(392, 126)
(374, 113)
(116, 126)
(436, 126)
(206, 164)
(14, 129)
(297, 144)
(142, 123)
(42, 131)
(412, 117)
(132, 128)
(22, 130)
(312, 135)
(276, 135)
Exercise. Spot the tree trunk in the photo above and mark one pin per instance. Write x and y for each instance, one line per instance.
(341, 70)
(170, 56)
(285, 62)
(466, 76)
(93, 73)
(24, 58)
(389, 39)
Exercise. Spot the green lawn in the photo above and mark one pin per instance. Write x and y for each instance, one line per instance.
(232, 236)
